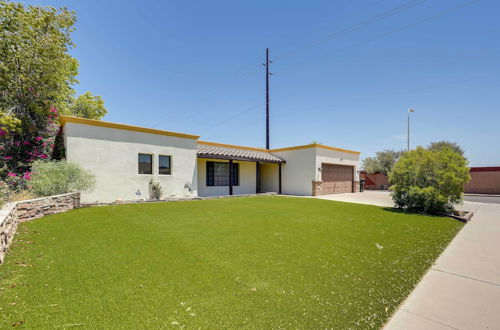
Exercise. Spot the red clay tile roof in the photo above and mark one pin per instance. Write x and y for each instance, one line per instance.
(206, 151)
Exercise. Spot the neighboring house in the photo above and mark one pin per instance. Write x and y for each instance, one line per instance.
(125, 158)
(484, 180)
(374, 181)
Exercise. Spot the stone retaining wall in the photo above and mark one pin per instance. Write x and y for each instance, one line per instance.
(15, 213)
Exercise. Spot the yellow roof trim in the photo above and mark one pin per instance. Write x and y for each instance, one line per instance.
(85, 121)
(315, 145)
(213, 144)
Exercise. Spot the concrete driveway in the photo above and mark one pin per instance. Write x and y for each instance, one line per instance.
(373, 197)
(462, 289)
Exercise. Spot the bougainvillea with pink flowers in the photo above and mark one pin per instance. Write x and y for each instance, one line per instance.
(19, 150)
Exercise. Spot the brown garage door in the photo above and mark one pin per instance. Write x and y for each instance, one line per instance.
(336, 178)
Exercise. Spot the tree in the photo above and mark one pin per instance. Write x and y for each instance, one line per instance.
(37, 75)
(36, 71)
(87, 106)
(382, 162)
(446, 144)
(426, 180)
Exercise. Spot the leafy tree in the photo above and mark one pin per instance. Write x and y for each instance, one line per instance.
(36, 71)
(426, 180)
(87, 106)
(382, 162)
(36, 79)
(446, 144)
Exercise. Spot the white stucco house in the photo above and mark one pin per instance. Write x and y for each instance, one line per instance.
(125, 158)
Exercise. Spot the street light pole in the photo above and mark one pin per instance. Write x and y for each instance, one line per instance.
(408, 139)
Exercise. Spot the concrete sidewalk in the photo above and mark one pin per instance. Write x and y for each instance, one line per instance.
(462, 288)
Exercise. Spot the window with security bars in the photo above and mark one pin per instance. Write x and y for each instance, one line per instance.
(218, 174)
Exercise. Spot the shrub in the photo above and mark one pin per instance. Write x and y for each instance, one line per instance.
(155, 190)
(19, 149)
(4, 192)
(59, 177)
(429, 180)
(21, 195)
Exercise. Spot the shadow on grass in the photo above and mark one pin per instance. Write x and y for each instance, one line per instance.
(434, 215)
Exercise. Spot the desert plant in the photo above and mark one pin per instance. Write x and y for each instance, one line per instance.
(59, 177)
(155, 190)
(21, 195)
(4, 192)
(429, 180)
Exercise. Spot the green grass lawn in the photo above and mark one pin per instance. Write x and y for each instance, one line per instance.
(256, 262)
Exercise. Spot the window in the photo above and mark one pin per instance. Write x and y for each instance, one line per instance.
(218, 174)
(145, 164)
(164, 165)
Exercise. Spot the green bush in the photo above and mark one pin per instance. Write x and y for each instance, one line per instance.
(59, 177)
(429, 180)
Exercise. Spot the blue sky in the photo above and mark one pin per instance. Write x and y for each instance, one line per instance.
(345, 72)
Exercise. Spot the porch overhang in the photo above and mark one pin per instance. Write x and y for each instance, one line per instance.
(216, 152)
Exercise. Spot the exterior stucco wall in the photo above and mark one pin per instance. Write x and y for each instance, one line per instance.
(298, 173)
(483, 183)
(336, 157)
(112, 156)
(269, 178)
(301, 167)
(247, 184)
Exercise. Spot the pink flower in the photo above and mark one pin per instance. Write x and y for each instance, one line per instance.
(43, 156)
(26, 143)
(13, 175)
(17, 143)
(2, 132)
(27, 175)
(7, 157)
(38, 138)
(54, 110)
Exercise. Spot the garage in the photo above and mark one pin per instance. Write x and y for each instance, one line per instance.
(336, 179)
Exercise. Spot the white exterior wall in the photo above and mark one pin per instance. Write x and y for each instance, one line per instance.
(269, 177)
(112, 156)
(247, 184)
(298, 173)
(336, 157)
(301, 167)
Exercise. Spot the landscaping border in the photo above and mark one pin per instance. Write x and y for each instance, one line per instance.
(31, 209)
(142, 201)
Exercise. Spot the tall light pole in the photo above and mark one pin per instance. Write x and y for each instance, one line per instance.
(408, 139)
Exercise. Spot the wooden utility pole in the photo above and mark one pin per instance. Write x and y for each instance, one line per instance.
(267, 97)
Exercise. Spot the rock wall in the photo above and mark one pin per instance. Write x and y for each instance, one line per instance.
(15, 213)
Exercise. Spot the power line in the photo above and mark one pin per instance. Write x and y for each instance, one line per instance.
(386, 34)
(234, 115)
(391, 12)
(182, 114)
(344, 15)
(186, 113)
